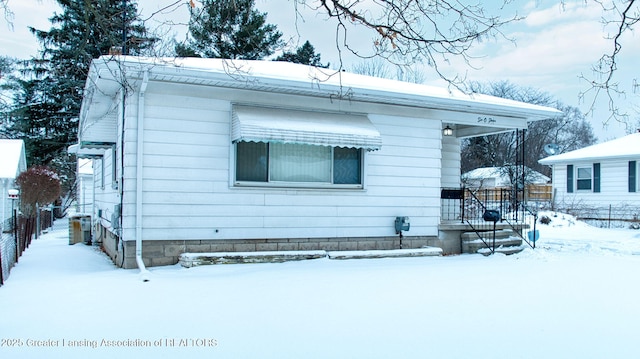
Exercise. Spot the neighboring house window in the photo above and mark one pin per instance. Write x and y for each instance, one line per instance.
(309, 165)
(587, 178)
(633, 176)
(583, 178)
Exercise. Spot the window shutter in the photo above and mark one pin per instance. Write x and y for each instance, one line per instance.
(596, 177)
(569, 178)
(632, 176)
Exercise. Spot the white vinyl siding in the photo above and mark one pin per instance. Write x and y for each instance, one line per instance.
(613, 186)
(189, 161)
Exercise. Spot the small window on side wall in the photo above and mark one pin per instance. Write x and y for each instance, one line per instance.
(583, 178)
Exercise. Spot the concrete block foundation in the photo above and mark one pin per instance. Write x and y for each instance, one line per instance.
(167, 252)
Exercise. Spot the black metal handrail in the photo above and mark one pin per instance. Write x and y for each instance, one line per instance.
(468, 205)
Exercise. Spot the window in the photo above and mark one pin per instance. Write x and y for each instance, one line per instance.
(114, 166)
(583, 178)
(260, 163)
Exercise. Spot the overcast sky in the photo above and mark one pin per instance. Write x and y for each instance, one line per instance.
(553, 46)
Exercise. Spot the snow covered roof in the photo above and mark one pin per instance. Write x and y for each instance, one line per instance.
(12, 161)
(496, 172)
(285, 77)
(623, 147)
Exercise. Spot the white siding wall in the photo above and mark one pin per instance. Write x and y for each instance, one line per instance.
(614, 186)
(106, 186)
(450, 161)
(187, 192)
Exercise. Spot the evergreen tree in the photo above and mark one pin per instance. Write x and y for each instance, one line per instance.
(6, 68)
(229, 29)
(305, 54)
(47, 99)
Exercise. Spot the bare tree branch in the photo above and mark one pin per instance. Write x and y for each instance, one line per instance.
(417, 31)
(8, 14)
(622, 15)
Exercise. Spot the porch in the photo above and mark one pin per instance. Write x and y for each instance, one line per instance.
(487, 220)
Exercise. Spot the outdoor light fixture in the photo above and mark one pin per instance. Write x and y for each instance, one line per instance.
(447, 131)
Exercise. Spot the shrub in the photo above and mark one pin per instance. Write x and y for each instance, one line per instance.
(39, 186)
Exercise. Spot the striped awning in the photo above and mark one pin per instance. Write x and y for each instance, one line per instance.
(258, 124)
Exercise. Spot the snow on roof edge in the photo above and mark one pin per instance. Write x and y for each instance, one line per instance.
(12, 154)
(623, 147)
(310, 77)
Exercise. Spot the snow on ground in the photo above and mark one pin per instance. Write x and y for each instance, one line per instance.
(575, 296)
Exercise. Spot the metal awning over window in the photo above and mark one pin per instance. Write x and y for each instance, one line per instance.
(259, 124)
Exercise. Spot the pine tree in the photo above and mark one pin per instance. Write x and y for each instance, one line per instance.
(47, 99)
(229, 29)
(305, 54)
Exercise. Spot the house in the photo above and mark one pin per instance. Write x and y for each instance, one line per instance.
(496, 177)
(599, 181)
(84, 186)
(210, 155)
(537, 185)
(13, 161)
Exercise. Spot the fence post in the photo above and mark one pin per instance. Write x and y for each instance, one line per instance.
(15, 233)
(37, 220)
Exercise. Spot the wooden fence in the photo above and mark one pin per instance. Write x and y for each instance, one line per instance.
(533, 193)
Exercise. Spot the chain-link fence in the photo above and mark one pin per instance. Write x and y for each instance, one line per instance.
(15, 239)
(622, 215)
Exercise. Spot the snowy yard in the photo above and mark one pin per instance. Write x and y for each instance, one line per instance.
(576, 296)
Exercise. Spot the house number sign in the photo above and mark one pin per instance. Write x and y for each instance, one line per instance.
(486, 119)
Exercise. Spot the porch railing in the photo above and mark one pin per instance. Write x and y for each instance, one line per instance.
(470, 206)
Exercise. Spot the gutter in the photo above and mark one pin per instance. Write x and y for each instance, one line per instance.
(353, 90)
(144, 273)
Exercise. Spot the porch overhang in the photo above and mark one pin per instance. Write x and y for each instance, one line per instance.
(88, 153)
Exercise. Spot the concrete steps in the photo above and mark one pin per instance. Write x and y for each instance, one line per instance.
(506, 242)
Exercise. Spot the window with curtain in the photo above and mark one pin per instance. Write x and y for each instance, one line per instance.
(283, 164)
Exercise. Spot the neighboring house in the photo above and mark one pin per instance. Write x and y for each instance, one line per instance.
(84, 186)
(596, 179)
(498, 177)
(13, 161)
(210, 155)
(538, 187)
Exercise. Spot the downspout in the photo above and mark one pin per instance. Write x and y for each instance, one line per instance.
(144, 273)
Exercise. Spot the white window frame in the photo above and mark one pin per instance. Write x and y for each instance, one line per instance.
(578, 178)
(307, 185)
